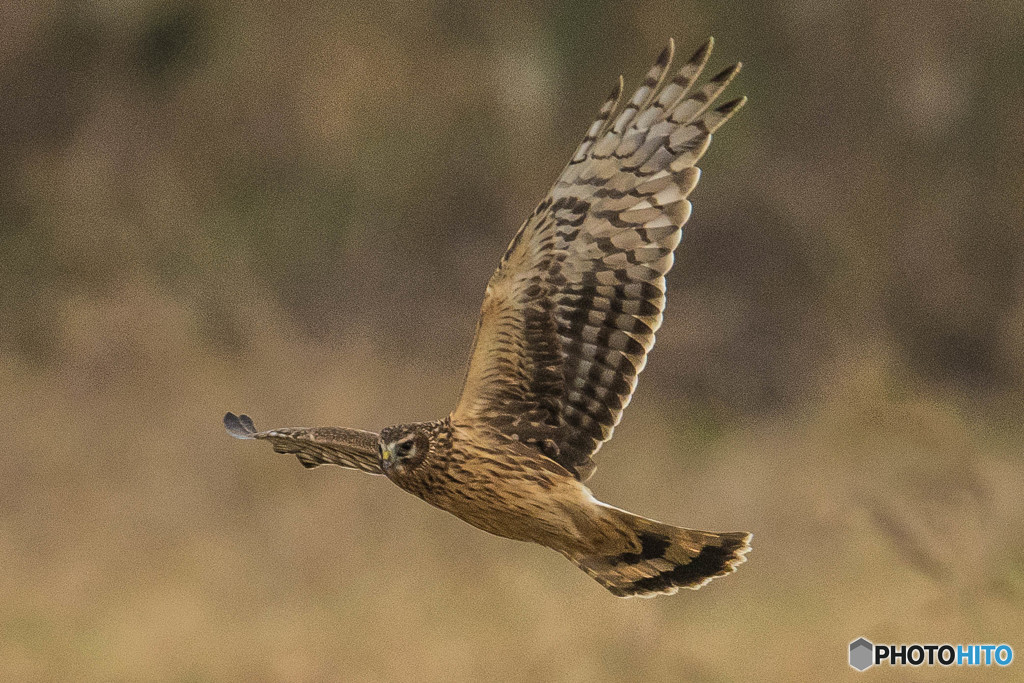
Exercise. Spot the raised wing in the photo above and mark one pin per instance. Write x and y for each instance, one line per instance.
(570, 314)
(351, 448)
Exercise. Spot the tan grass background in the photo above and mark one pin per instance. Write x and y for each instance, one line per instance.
(292, 210)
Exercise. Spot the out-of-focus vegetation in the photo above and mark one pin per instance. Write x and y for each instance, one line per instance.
(292, 210)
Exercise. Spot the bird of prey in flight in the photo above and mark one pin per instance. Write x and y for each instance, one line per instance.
(567, 321)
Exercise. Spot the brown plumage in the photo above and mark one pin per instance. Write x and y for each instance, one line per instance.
(567, 321)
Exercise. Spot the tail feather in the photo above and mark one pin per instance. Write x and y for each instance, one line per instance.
(659, 559)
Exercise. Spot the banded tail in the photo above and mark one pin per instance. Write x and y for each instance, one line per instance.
(659, 559)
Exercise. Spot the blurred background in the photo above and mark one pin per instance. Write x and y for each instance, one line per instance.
(292, 210)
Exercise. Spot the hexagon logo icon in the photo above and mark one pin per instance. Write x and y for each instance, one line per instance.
(861, 654)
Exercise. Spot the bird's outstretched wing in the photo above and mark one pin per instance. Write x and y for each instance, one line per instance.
(314, 446)
(570, 314)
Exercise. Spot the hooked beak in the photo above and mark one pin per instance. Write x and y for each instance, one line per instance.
(387, 457)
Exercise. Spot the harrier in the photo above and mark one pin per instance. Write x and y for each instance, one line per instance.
(567, 321)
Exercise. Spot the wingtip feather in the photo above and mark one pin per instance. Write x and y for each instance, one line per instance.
(665, 57)
(620, 84)
(239, 426)
(727, 74)
(704, 51)
(732, 106)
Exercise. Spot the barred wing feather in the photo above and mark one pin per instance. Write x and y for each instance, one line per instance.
(570, 314)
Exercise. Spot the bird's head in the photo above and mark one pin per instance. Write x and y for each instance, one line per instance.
(402, 447)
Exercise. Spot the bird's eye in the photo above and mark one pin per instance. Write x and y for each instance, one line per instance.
(404, 447)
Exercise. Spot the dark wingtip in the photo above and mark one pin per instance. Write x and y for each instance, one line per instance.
(732, 106)
(666, 54)
(239, 426)
(704, 50)
(617, 90)
(727, 74)
(247, 423)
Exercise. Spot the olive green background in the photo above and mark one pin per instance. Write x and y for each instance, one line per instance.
(291, 209)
